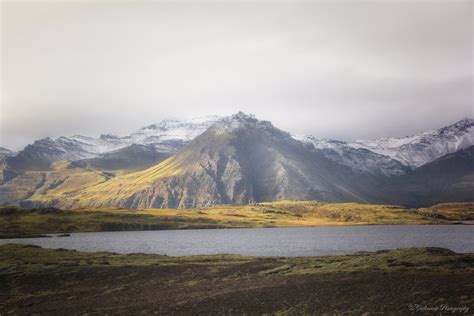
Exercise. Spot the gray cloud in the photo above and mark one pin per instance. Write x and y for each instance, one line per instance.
(354, 69)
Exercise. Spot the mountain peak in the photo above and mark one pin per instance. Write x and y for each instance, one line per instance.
(241, 122)
(463, 124)
(108, 136)
(243, 117)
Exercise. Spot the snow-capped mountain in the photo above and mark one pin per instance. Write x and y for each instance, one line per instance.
(166, 137)
(385, 156)
(360, 160)
(171, 135)
(238, 160)
(396, 156)
(417, 150)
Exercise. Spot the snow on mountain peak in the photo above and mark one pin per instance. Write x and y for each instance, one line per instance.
(416, 150)
(167, 136)
(360, 160)
(385, 155)
(167, 132)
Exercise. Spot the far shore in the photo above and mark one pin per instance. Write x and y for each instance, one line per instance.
(18, 222)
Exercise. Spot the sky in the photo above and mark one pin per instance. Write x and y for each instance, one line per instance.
(337, 69)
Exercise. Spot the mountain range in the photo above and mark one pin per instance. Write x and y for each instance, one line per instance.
(238, 160)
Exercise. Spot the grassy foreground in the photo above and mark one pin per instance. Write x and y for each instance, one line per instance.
(15, 221)
(35, 280)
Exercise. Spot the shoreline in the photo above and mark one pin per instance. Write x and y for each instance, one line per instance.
(60, 233)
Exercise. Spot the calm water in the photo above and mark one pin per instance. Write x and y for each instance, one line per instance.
(311, 241)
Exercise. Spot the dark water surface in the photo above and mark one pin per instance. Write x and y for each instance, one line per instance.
(307, 241)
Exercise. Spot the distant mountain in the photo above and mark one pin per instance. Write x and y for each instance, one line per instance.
(360, 160)
(166, 138)
(396, 156)
(446, 179)
(130, 157)
(238, 160)
(417, 150)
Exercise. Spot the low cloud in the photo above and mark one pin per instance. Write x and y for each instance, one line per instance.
(332, 69)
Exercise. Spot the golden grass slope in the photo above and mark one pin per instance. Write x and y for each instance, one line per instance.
(67, 187)
(52, 185)
(453, 211)
(275, 214)
(123, 187)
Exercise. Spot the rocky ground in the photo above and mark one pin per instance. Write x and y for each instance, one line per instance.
(62, 282)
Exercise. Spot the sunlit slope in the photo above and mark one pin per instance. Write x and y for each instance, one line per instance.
(33, 188)
(268, 214)
(119, 190)
(238, 161)
(161, 185)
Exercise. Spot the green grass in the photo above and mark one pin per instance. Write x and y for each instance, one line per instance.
(16, 258)
(50, 220)
(426, 259)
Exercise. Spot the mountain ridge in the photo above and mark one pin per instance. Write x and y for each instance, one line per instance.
(236, 160)
(384, 156)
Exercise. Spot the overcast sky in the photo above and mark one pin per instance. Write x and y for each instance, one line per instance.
(345, 70)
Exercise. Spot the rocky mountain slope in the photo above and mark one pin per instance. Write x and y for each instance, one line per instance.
(360, 160)
(396, 156)
(165, 138)
(133, 157)
(446, 179)
(417, 150)
(4, 153)
(238, 160)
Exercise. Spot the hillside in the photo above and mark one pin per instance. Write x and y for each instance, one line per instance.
(164, 138)
(446, 179)
(239, 160)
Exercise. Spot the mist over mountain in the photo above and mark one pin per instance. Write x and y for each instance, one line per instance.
(236, 160)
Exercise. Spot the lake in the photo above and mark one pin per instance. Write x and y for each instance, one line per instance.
(307, 241)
